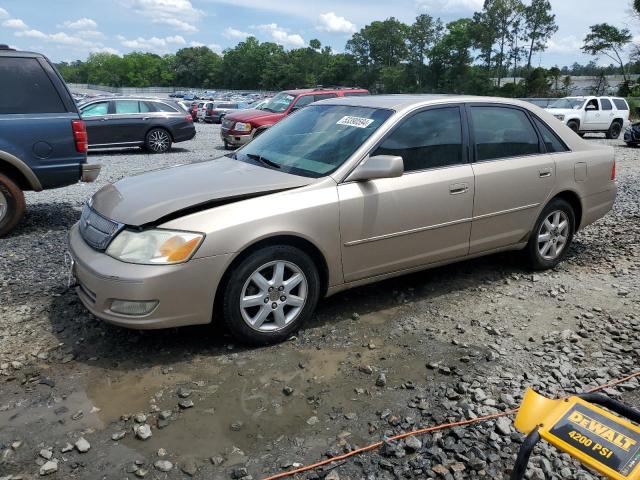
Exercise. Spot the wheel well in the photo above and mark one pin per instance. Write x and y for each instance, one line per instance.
(574, 120)
(14, 174)
(290, 240)
(572, 199)
(618, 120)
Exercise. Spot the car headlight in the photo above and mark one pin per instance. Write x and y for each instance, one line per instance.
(242, 127)
(560, 117)
(155, 247)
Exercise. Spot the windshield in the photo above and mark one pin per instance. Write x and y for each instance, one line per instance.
(315, 140)
(279, 103)
(570, 103)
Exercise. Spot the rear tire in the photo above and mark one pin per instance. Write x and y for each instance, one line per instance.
(12, 205)
(614, 131)
(551, 236)
(158, 140)
(261, 306)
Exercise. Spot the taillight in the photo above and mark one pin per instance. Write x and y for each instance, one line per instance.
(79, 135)
(613, 170)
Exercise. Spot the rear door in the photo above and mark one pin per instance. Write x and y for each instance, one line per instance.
(130, 120)
(95, 116)
(513, 176)
(607, 113)
(422, 217)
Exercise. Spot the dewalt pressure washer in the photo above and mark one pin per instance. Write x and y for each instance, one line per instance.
(605, 441)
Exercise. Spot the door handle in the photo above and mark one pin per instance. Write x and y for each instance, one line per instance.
(146, 118)
(544, 173)
(458, 188)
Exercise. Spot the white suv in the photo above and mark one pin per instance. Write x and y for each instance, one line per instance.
(592, 114)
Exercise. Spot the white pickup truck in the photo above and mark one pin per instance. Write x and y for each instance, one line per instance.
(592, 114)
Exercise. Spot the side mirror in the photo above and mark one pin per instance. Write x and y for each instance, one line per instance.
(378, 166)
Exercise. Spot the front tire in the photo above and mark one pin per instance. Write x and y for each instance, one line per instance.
(270, 295)
(573, 125)
(158, 140)
(551, 236)
(12, 205)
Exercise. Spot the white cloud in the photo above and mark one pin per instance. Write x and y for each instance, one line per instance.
(3, 13)
(81, 24)
(153, 44)
(31, 34)
(231, 32)
(15, 23)
(568, 44)
(449, 5)
(177, 14)
(212, 46)
(110, 50)
(281, 36)
(90, 34)
(330, 22)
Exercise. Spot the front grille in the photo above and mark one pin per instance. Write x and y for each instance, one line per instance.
(97, 230)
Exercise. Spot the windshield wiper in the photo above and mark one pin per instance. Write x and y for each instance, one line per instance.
(262, 160)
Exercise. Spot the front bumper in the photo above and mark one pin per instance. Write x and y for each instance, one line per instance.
(237, 140)
(185, 292)
(90, 172)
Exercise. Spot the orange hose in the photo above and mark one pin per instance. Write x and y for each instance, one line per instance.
(400, 436)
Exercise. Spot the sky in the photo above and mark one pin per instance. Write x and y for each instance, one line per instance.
(67, 30)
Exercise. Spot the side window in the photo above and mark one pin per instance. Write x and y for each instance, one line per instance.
(592, 105)
(324, 96)
(304, 101)
(551, 141)
(620, 104)
(502, 132)
(145, 107)
(127, 106)
(95, 109)
(26, 88)
(428, 139)
(606, 104)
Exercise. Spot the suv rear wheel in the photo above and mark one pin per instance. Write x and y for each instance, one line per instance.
(551, 236)
(11, 204)
(270, 295)
(614, 130)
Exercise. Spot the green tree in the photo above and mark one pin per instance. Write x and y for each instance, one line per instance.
(554, 73)
(605, 39)
(450, 58)
(197, 67)
(539, 27)
(424, 33)
(537, 83)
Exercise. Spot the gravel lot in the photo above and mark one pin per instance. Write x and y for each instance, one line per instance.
(77, 396)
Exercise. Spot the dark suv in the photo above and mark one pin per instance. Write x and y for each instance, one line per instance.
(43, 141)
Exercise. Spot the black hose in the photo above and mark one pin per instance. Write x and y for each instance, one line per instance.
(613, 405)
(520, 468)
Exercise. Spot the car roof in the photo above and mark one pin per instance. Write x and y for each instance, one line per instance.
(9, 52)
(404, 101)
(300, 91)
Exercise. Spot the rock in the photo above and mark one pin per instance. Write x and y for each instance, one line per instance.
(366, 369)
(163, 465)
(51, 466)
(141, 472)
(165, 414)
(217, 460)
(143, 431)
(140, 418)
(237, 426)
(118, 436)
(46, 453)
(440, 470)
(184, 404)
(183, 392)
(288, 390)
(381, 381)
(503, 426)
(312, 420)
(82, 445)
(412, 444)
(188, 466)
(333, 475)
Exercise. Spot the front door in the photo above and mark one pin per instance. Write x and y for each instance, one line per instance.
(513, 177)
(422, 217)
(593, 118)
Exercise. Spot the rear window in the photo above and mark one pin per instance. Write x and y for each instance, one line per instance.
(26, 88)
(551, 140)
(620, 104)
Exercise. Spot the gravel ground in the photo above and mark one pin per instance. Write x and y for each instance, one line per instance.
(82, 399)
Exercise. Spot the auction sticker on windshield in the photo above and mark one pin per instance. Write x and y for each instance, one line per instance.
(358, 122)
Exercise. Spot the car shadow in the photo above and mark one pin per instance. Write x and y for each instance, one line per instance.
(47, 217)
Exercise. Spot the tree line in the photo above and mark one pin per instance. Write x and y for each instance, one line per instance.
(482, 54)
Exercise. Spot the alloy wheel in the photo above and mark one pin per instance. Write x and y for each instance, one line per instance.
(4, 206)
(159, 141)
(553, 235)
(273, 296)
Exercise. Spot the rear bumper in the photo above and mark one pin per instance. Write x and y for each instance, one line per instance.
(185, 293)
(184, 132)
(90, 172)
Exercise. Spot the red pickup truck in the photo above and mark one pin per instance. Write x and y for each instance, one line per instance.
(239, 128)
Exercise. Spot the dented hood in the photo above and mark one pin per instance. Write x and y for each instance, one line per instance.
(152, 196)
